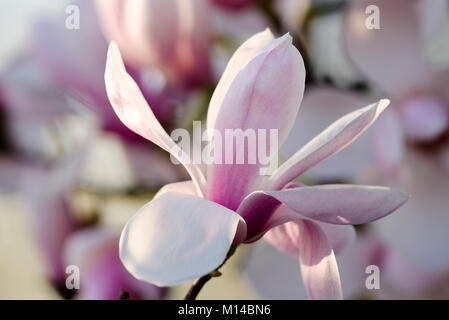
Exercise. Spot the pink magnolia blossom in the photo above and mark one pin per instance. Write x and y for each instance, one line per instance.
(188, 228)
(393, 58)
(170, 34)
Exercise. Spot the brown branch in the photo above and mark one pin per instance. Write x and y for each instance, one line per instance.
(197, 286)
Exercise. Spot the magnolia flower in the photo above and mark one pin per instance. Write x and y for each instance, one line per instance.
(172, 35)
(393, 58)
(188, 228)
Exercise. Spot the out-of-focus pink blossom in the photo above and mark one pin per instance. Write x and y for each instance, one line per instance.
(170, 34)
(197, 221)
(51, 219)
(75, 59)
(393, 58)
(102, 274)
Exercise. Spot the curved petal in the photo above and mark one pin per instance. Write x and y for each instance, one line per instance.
(334, 204)
(279, 238)
(264, 95)
(247, 51)
(340, 237)
(319, 108)
(339, 204)
(132, 109)
(329, 142)
(391, 55)
(177, 237)
(319, 268)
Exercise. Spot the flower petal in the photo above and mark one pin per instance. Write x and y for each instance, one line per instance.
(266, 95)
(319, 108)
(184, 187)
(329, 142)
(339, 204)
(334, 204)
(279, 238)
(177, 237)
(248, 50)
(392, 55)
(340, 237)
(319, 268)
(132, 109)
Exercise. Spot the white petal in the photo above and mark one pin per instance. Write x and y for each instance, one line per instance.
(178, 237)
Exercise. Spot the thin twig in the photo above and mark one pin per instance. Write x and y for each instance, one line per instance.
(197, 286)
(200, 282)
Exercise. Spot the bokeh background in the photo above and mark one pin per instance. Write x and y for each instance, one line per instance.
(71, 174)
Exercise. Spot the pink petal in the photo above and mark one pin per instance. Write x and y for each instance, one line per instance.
(265, 94)
(392, 55)
(132, 109)
(319, 108)
(279, 238)
(329, 142)
(339, 236)
(334, 204)
(339, 204)
(178, 237)
(319, 268)
(245, 53)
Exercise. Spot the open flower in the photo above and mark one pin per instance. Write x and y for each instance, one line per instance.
(188, 228)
